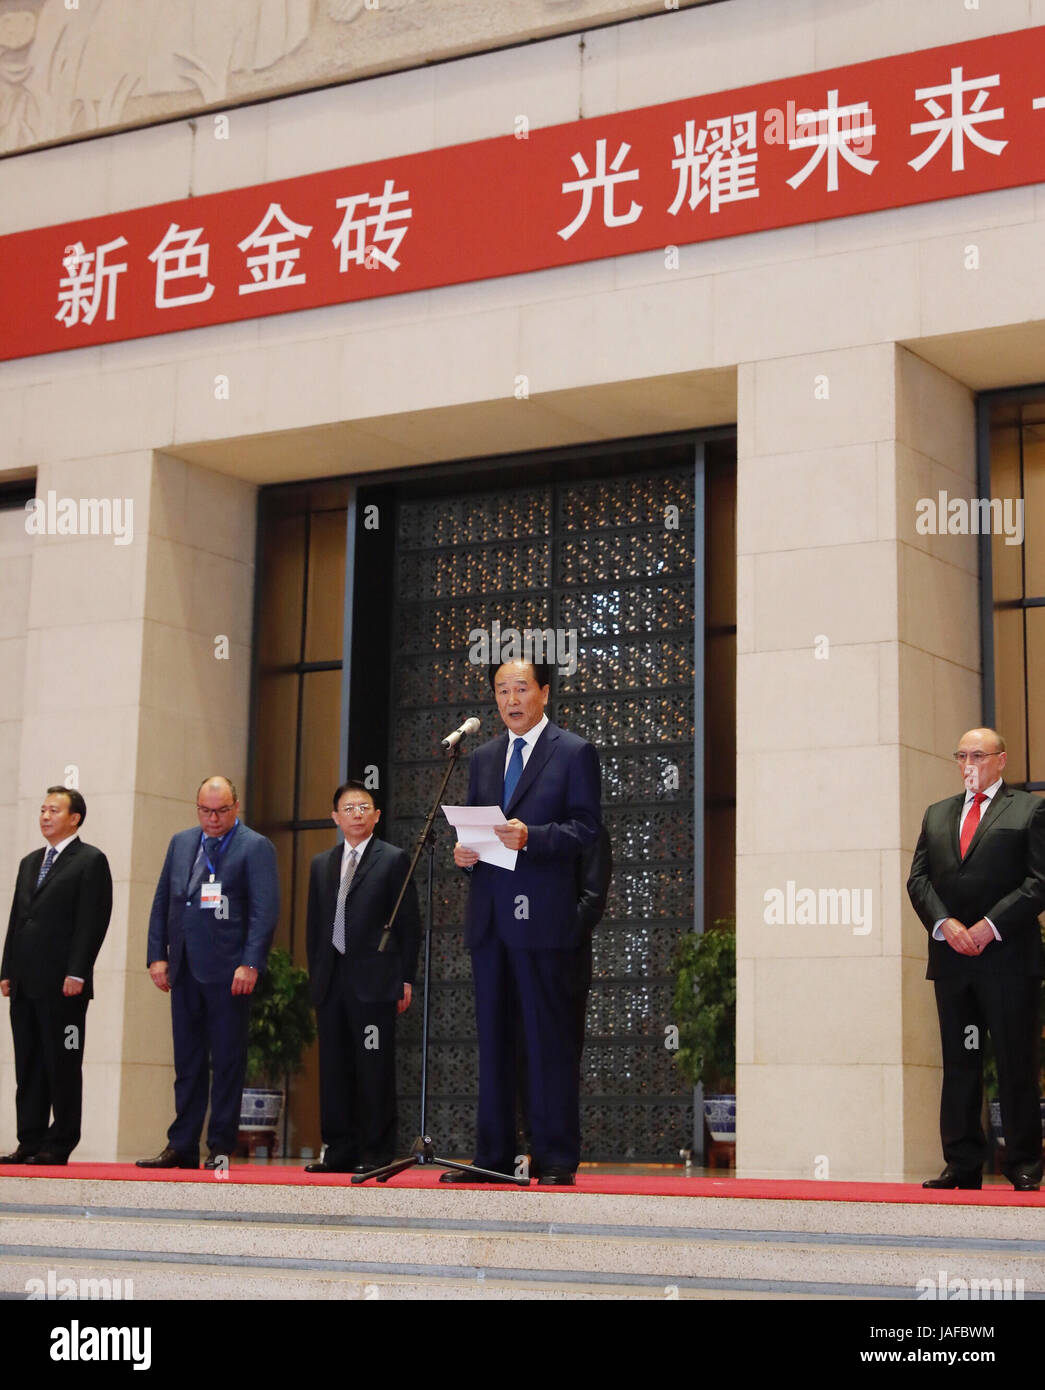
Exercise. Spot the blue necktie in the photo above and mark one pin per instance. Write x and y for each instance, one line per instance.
(208, 847)
(515, 770)
(45, 867)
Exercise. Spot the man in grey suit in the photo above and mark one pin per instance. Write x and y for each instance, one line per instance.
(212, 922)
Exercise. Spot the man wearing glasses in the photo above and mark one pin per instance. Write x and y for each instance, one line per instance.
(978, 884)
(212, 921)
(357, 989)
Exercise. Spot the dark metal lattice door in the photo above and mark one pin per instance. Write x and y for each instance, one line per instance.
(611, 558)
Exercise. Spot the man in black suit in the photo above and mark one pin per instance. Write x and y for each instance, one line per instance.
(357, 990)
(59, 917)
(978, 884)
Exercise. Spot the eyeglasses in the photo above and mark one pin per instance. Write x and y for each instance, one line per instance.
(357, 808)
(976, 756)
(212, 811)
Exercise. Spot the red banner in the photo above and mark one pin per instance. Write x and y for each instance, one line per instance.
(941, 123)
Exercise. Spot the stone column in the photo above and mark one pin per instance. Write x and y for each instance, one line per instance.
(858, 666)
(130, 692)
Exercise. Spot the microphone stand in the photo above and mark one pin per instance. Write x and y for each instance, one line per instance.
(423, 1154)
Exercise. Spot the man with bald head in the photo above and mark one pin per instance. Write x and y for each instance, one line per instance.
(978, 884)
(212, 921)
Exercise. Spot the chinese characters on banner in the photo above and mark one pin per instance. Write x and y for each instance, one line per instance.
(892, 132)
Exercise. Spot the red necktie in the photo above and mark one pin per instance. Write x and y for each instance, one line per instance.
(972, 820)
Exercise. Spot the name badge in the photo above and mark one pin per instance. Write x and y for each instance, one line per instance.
(210, 894)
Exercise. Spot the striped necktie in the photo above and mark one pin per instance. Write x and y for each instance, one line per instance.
(45, 867)
(342, 894)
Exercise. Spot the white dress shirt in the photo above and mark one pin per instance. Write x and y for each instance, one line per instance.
(990, 793)
(531, 736)
(358, 850)
(57, 851)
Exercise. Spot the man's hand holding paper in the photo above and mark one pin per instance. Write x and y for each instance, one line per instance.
(476, 828)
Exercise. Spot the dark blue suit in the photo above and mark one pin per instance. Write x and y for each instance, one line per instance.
(526, 942)
(203, 951)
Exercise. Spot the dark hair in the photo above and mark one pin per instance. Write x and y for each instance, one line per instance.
(354, 785)
(218, 777)
(542, 671)
(77, 805)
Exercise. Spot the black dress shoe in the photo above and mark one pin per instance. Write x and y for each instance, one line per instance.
(1025, 1182)
(45, 1160)
(218, 1158)
(951, 1177)
(466, 1175)
(557, 1177)
(170, 1158)
(20, 1155)
(333, 1168)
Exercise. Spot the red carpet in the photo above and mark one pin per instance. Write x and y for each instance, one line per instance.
(619, 1184)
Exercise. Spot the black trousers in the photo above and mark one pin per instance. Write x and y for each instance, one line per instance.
(48, 1043)
(1007, 1007)
(357, 1076)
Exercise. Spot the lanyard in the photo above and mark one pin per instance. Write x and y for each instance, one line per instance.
(218, 852)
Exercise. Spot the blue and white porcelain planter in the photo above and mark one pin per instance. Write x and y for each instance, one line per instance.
(994, 1112)
(720, 1112)
(260, 1109)
(994, 1109)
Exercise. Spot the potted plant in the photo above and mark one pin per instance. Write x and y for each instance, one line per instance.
(282, 1027)
(705, 1011)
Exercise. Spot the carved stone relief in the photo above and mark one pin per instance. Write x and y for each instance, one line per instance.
(70, 67)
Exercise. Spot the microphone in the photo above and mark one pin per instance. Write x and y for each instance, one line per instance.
(470, 726)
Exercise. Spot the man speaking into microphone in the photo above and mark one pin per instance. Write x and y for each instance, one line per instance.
(522, 926)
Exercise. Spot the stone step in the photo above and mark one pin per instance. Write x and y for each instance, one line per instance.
(1023, 1220)
(178, 1240)
(785, 1259)
(139, 1282)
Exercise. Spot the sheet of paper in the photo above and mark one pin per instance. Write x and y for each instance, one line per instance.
(474, 826)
